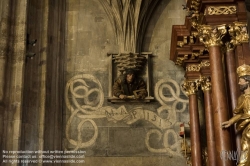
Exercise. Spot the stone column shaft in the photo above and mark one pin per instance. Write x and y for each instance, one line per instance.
(220, 107)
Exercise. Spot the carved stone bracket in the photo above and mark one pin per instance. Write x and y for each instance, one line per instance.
(211, 36)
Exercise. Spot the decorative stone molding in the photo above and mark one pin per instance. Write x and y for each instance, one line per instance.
(190, 87)
(211, 36)
(219, 10)
(238, 32)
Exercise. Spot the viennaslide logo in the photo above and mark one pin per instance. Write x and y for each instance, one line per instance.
(233, 155)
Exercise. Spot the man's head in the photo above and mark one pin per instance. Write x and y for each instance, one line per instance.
(130, 75)
(244, 82)
(243, 72)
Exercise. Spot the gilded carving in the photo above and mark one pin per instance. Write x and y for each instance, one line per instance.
(193, 68)
(205, 83)
(197, 67)
(211, 36)
(238, 32)
(229, 46)
(190, 87)
(180, 60)
(219, 10)
(180, 43)
(195, 4)
(205, 64)
(195, 54)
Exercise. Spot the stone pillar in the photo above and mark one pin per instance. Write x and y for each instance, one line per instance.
(14, 76)
(206, 87)
(233, 84)
(211, 37)
(191, 88)
(5, 9)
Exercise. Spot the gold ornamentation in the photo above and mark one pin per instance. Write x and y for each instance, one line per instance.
(191, 39)
(180, 60)
(193, 68)
(180, 43)
(211, 36)
(238, 32)
(229, 46)
(243, 70)
(198, 66)
(193, 11)
(205, 83)
(195, 54)
(205, 64)
(190, 87)
(195, 4)
(196, 19)
(219, 10)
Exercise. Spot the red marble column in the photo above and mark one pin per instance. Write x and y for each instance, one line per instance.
(233, 86)
(220, 105)
(191, 88)
(209, 127)
(194, 131)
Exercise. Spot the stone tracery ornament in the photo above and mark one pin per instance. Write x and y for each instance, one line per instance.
(211, 36)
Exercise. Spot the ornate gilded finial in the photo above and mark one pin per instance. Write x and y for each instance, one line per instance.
(243, 70)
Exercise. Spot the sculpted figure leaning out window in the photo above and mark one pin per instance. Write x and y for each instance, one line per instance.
(130, 86)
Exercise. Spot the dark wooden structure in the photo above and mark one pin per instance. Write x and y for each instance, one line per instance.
(211, 44)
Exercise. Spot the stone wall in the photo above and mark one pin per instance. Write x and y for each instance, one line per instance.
(121, 133)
